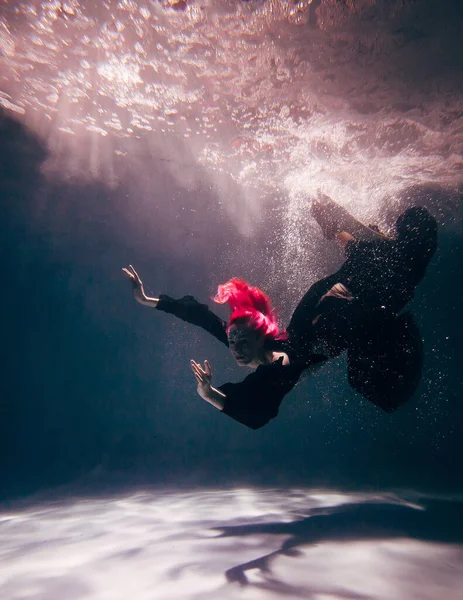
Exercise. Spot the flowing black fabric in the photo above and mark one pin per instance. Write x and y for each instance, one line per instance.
(256, 399)
(385, 363)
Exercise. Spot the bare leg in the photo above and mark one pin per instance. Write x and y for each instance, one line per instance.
(334, 219)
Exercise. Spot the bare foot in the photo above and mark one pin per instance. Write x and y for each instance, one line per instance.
(323, 213)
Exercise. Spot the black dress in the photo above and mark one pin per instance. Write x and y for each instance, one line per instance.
(384, 348)
(256, 399)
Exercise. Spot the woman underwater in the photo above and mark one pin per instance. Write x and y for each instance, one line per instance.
(357, 309)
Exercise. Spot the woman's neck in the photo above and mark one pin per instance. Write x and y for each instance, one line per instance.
(263, 358)
(268, 357)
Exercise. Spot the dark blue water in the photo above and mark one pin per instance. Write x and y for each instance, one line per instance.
(94, 380)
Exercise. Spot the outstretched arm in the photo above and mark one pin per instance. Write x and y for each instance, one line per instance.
(187, 308)
(137, 288)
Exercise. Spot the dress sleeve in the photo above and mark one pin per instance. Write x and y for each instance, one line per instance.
(190, 310)
(256, 399)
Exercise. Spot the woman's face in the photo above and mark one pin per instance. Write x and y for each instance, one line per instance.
(245, 344)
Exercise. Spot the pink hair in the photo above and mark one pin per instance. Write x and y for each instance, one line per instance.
(251, 305)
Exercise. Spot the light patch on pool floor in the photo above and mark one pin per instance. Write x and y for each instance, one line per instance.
(241, 543)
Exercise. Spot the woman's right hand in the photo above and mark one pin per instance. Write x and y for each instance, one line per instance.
(137, 284)
(203, 377)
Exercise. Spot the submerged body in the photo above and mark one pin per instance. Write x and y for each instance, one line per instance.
(355, 309)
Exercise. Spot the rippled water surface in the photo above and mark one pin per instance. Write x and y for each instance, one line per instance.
(360, 98)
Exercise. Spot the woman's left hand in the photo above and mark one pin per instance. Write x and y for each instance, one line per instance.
(203, 376)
